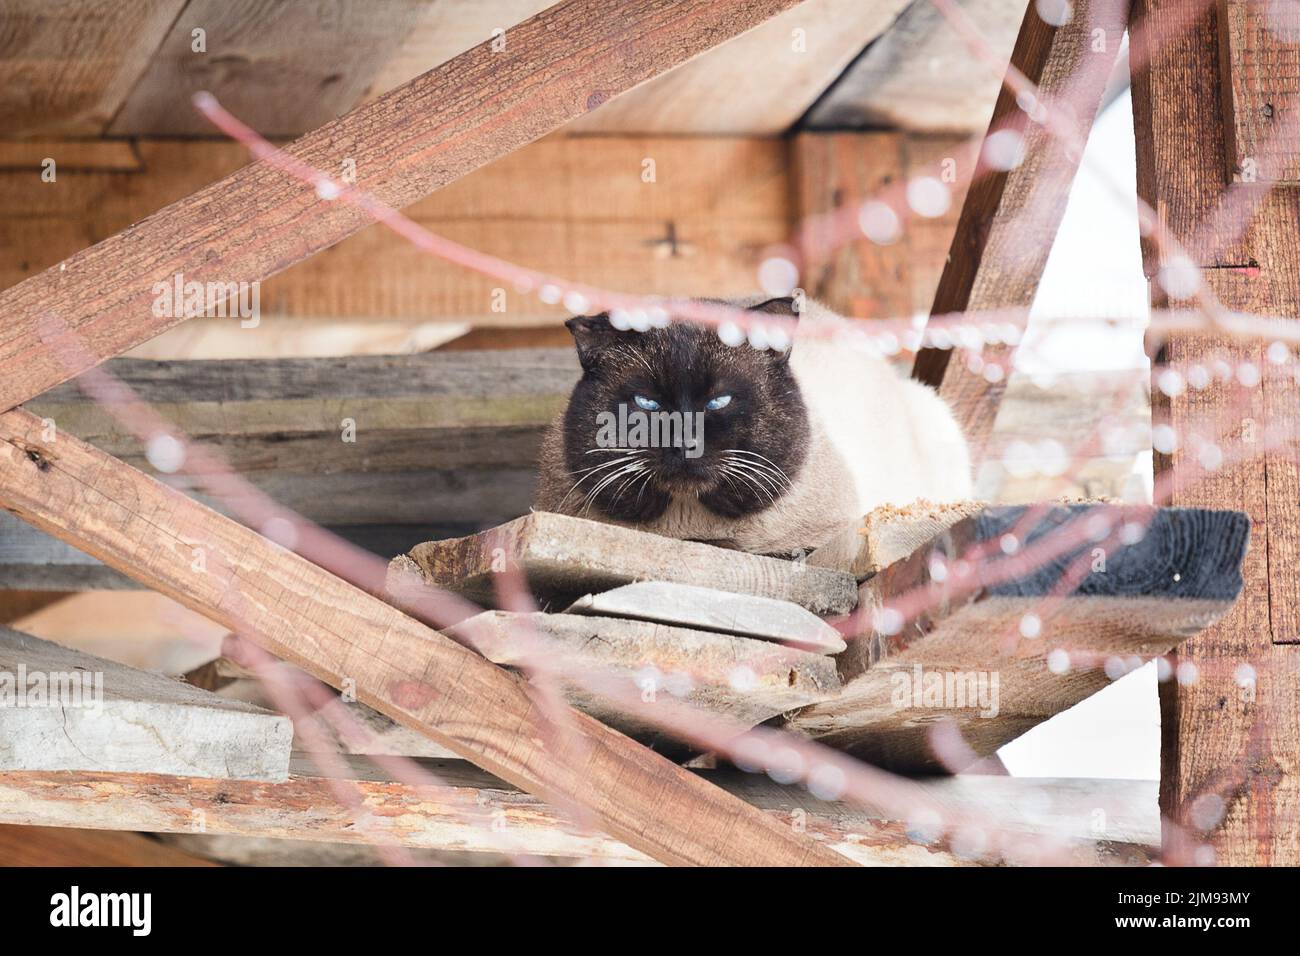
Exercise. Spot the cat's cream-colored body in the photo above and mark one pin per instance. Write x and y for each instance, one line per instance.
(876, 438)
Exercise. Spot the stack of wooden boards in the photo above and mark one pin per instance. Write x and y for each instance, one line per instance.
(1018, 613)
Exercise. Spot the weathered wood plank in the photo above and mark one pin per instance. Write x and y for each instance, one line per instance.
(470, 810)
(565, 557)
(405, 145)
(284, 68)
(1230, 734)
(335, 631)
(62, 709)
(66, 66)
(757, 84)
(707, 609)
(1010, 217)
(920, 76)
(998, 659)
(1259, 60)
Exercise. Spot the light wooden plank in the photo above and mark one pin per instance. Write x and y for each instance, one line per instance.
(62, 709)
(469, 810)
(447, 28)
(920, 75)
(335, 631)
(1230, 735)
(284, 68)
(1009, 220)
(406, 145)
(66, 66)
(708, 609)
(573, 206)
(565, 557)
(1259, 59)
(996, 660)
(758, 84)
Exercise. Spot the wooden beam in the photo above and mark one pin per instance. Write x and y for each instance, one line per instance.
(470, 810)
(1230, 735)
(919, 76)
(66, 66)
(567, 205)
(1010, 217)
(404, 145)
(302, 613)
(998, 660)
(1260, 65)
(832, 170)
(62, 709)
(802, 52)
(566, 557)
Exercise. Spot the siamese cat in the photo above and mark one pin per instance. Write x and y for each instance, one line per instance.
(673, 431)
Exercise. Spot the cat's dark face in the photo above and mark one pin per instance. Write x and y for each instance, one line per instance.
(675, 411)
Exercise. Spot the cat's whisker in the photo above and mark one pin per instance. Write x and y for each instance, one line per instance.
(607, 480)
(768, 480)
(751, 481)
(761, 460)
(589, 472)
(779, 482)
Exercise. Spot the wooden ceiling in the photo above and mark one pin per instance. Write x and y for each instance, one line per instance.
(104, 68)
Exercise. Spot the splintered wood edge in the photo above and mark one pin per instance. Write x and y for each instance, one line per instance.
(888, 534)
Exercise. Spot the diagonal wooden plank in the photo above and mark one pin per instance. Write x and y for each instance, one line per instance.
(1010, 217)
(304, 614)
(462, 115)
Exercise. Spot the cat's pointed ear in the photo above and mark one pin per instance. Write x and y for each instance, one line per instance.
(787, 308)
(784, 306)
(592, 334)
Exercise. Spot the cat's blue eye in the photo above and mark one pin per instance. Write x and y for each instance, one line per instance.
(722, 401)
(649, 404)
